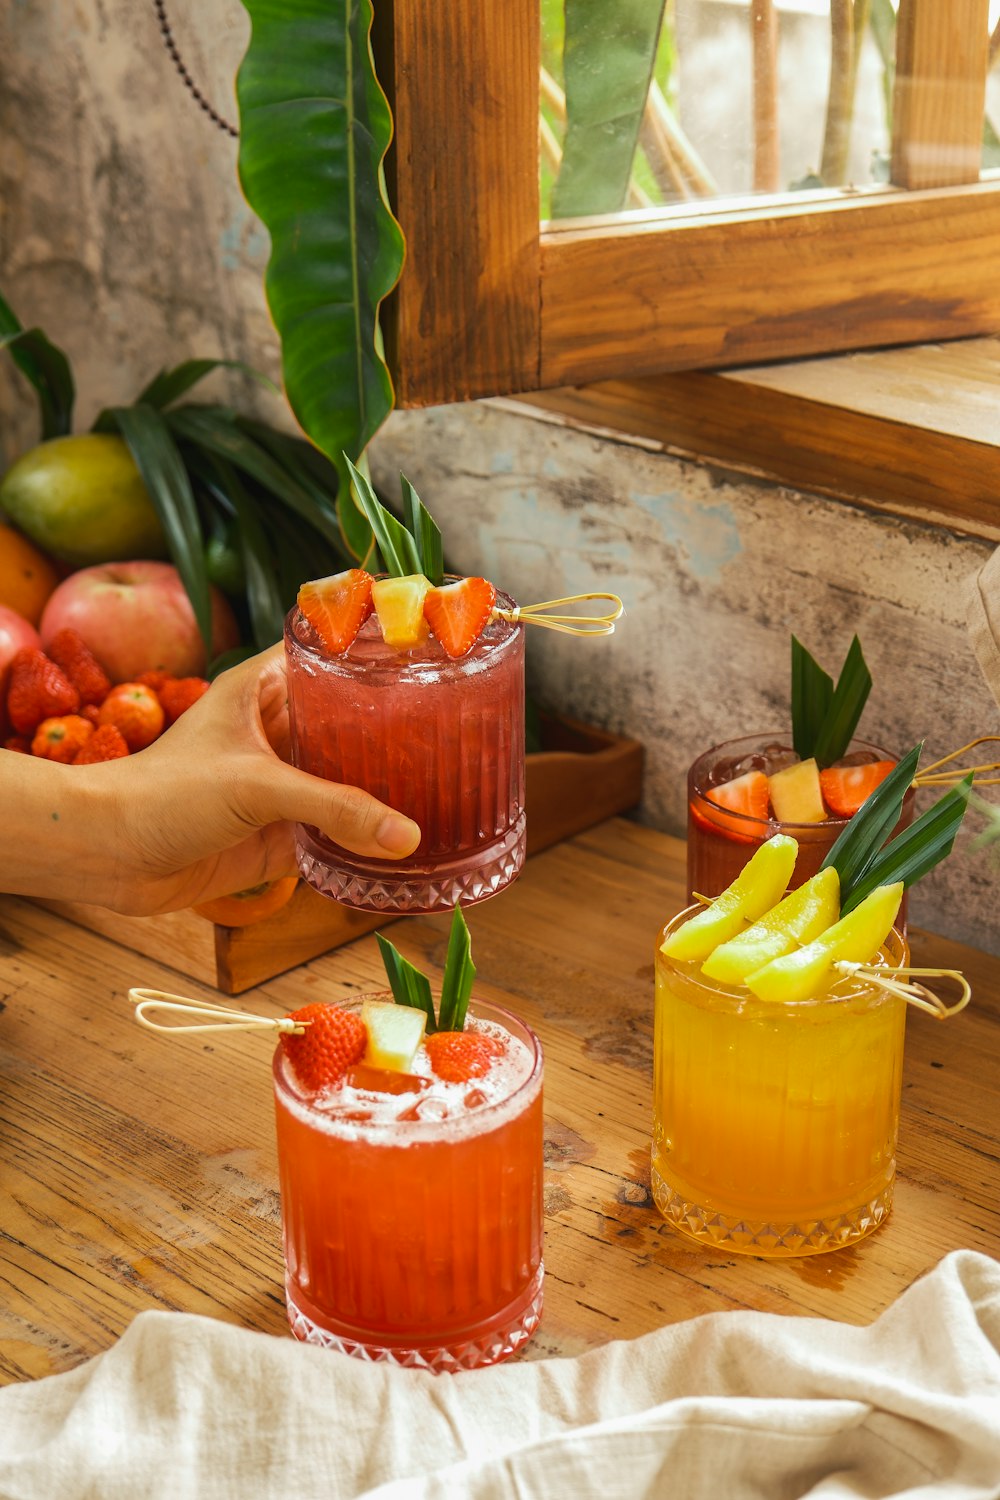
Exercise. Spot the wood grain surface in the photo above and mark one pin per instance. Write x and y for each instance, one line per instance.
(139, 1172)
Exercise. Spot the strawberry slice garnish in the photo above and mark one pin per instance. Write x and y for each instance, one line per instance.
(745, 795)
(333, 1041)
(845, 788)
(457, 1056)
(458, 613)
(337, 607)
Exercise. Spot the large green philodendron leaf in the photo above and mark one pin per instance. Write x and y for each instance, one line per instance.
(608, 57)
(314, 129)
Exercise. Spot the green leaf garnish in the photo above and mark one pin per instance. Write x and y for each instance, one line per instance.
(408, 985)
(824, 718)
(915, 851)
(459, 975)
(397, 546)
(858, 845)
(425, 532)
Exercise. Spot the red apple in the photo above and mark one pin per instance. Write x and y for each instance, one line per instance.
(136, 617)
(15, 632)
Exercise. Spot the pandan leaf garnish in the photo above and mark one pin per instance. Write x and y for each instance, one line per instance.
(410, 987)
(824, 717)
(409, 546)
(865, 857)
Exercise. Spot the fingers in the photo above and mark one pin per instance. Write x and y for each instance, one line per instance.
(345, 814)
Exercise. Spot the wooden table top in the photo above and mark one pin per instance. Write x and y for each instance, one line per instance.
(139, 1172)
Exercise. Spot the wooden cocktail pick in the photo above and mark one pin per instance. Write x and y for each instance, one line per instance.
(943, 773)
(901, 982)
(536, 614)
(220, 1017)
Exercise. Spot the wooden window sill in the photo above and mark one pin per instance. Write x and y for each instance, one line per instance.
(911, 431)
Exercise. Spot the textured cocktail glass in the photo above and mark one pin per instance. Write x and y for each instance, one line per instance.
(775, 1123)
(439, 740)
(720, 842)
(417, 1239)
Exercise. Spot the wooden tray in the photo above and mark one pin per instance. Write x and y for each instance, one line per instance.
(583, 776)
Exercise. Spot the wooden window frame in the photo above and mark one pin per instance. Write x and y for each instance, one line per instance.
(492, 302)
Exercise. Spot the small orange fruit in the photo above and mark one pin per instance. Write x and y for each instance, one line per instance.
(27, 577)
(136, 711)
(252, 905)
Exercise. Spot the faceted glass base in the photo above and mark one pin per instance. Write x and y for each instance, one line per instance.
(487, 1347)
(776, 1240)
(440, 885)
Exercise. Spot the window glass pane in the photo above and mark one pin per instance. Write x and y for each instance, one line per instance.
(747, 96)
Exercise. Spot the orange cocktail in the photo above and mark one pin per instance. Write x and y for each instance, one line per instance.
(775, 1122)
(413, 1221)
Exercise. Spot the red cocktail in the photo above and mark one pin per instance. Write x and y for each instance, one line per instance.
(413, 1221)
(439, 739)
(721, 839)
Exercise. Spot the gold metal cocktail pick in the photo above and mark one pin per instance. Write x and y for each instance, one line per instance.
(913, 993)
(942, 773)
(220, 1017)
(534, 614)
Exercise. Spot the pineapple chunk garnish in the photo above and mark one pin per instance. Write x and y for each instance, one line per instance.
(796, 794)
(399, 604)
(394, 1034)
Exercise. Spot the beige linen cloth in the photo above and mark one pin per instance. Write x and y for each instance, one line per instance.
(729, 1406)
(983, 613)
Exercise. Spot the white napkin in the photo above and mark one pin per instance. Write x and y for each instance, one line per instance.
(983, 615)
(732, 1406)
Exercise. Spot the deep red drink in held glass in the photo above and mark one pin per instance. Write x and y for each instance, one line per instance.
(439, 739)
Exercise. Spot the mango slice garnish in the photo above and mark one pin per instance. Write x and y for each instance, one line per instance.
(809, 971)
(802, 916)
(760, 884)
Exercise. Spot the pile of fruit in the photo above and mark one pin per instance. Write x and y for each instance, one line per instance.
(409, 609)
(61, 704)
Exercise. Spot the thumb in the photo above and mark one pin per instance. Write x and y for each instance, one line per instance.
(346, 814)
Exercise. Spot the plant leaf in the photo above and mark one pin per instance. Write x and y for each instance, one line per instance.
(165, 476)
(263, 596)
(169, 385)
(459, 976)
(845, 707)
(45, 367)
(608, 57)
(812, 694)
(314, 129)
(408, 985)
(910, 855)
(425, 532)
(858, 845)
(398, 549)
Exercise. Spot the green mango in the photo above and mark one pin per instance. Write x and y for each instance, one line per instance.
(803, 915)
(762, 882)
(857, 938)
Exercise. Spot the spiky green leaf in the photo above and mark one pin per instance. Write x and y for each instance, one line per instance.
(408, 985)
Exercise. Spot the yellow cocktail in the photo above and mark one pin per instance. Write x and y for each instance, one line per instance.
(775, 1122)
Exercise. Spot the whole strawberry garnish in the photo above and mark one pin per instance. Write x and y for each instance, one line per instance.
(69, 650)
(457, 1056)
(337, 607)
(177, 694)
(62, 739)
(37, 689)
(136, 711)
(458, 613)
(106, 743)
(333, 1041)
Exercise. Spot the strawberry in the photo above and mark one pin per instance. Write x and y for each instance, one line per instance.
(337, 607)
(18, 742)
(154, 680)
(69, 650)
(37, 689)
(92, 713)
(177, 694)
(333, 1041)
(844, 788)
(457, 1056)
(106, 743)
(458, 613)
(137, 712)
(61, 739)
(746, 796)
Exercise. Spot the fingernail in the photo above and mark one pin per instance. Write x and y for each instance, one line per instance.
(397, 835)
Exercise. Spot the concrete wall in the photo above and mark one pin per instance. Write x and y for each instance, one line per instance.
(124, 234)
